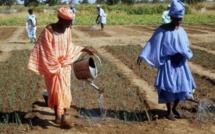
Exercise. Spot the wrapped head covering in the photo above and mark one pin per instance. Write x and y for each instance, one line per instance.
(177, 9)
(66, 13)
(98, 6)
(72, 6)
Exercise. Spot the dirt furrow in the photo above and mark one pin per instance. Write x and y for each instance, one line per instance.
(16, 34)
(144, 87)
(4, 56)
(203, 49)
(201, 71)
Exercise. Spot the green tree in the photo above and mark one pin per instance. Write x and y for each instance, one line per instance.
(31, 3)
(193, 1)
(84, 2)
(129, 2)
(1, 2)
(112, 2)
(7, 2)
(51, 2)
(100, 1)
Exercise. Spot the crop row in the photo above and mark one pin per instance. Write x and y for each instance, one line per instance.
(128, 55)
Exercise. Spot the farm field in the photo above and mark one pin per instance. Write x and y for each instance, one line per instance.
(128, 88)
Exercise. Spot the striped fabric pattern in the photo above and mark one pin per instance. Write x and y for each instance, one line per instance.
(52, 56)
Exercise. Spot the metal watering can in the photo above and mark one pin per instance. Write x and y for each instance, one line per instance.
(85, 69)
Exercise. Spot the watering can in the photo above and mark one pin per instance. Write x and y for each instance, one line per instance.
(85, 69)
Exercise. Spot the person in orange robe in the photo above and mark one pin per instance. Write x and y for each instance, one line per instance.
(53, 56)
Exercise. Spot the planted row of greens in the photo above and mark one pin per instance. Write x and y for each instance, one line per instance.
(19, 88)
(203, 58)
(208, 45)
(119, 101)
(128, 55)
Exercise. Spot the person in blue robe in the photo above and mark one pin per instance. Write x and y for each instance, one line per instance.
(72, 7)
(168, 50)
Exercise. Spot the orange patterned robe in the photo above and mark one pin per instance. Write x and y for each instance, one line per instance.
(52, 56)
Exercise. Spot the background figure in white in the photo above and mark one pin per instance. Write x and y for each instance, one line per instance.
(101, 18)
(165, 16)
(72, 7)
(31, 25)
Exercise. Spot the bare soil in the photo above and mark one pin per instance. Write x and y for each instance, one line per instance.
(15, 38)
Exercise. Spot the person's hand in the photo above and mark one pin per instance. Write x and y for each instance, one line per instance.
(90, 51)
(139, 61)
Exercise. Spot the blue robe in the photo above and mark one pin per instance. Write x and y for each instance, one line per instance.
(174, 80)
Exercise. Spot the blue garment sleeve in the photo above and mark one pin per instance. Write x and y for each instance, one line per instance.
(151, 53)
(163, 44)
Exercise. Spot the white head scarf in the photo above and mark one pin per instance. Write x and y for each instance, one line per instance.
(177, 9)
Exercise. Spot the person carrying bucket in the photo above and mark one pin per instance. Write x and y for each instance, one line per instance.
(168, 50)
(52, 56)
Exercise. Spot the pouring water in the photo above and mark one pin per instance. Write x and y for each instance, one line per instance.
(205, 110)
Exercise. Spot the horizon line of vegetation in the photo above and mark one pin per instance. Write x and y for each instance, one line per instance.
(137, 14)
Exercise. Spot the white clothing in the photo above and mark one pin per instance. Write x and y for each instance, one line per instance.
(102, 14)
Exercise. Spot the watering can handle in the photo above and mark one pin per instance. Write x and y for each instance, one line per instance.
(95, 56)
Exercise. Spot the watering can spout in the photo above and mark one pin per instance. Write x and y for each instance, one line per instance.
(93, 85)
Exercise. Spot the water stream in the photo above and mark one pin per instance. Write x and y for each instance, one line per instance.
(206, 111)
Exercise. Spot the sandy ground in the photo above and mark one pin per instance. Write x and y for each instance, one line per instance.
(119, 35)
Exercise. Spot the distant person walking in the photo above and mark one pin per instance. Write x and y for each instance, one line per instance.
(168, 50)
(165, 16)
(101, 18)
(72, 7)
(31, 25)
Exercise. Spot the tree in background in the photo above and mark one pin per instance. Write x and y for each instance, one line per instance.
(84, 2)
(31, 3)
(7, 2)
(100, 1)
(193, 1)
(112, 2)
(71, 1)
(51, 2)
(129, 2)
